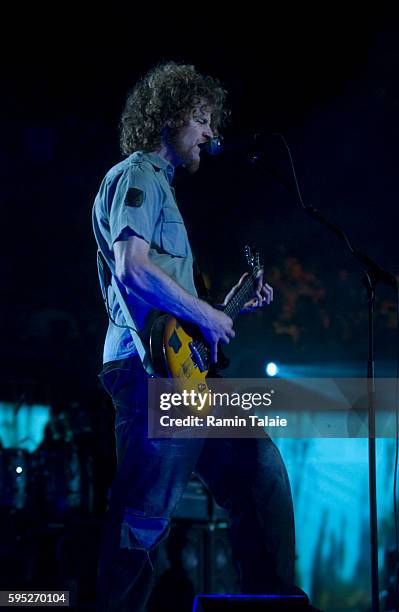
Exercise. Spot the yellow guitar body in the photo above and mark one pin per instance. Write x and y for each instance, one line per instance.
(174, 354)
(178, 352)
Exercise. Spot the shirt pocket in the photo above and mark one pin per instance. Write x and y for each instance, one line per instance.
(173, 233)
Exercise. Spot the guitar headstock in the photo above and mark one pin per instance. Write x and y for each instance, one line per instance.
(253, 259)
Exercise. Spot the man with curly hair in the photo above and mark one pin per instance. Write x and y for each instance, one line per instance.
(168, 116)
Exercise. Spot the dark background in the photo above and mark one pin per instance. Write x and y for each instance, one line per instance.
(327, 79)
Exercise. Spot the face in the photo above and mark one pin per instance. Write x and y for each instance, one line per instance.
(196, 131)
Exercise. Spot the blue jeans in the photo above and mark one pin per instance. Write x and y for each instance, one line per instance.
(247, 477)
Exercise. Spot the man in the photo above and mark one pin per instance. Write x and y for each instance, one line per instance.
(168, 115)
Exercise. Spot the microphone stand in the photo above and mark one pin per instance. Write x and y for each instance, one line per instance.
(373, 273)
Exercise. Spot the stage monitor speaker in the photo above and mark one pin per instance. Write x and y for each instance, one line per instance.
(254, 603)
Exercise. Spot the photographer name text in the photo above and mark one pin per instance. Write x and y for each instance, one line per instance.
(212, 421)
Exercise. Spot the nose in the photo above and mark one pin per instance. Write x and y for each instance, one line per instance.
(207, 132)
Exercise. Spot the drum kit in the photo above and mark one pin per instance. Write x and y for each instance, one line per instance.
(55, 481)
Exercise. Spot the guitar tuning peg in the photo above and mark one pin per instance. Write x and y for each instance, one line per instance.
(248, 255)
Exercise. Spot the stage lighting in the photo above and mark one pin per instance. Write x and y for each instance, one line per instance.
(271, 369)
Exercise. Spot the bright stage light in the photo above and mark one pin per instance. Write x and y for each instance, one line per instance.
(271, 369)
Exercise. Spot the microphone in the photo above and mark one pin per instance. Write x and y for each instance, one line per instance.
(214, 146)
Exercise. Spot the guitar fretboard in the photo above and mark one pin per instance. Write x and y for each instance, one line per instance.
(232, 309)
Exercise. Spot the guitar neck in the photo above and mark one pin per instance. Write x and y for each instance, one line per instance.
(233, 307)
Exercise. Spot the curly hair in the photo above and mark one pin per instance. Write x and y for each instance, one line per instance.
(166, 95)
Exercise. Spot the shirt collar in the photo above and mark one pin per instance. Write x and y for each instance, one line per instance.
(159, 162)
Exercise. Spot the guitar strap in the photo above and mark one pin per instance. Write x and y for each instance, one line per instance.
(202, 289)
(106, 279)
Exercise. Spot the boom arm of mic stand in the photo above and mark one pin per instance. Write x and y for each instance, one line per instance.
(377, 272)
(373, 268)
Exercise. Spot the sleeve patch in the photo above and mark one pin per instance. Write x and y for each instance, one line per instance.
(134, 197)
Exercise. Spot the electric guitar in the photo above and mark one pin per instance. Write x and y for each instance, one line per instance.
(178, 350)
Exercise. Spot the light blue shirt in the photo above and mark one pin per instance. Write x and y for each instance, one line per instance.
(136, 198)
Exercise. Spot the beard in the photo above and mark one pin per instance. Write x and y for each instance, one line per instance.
(187, 158)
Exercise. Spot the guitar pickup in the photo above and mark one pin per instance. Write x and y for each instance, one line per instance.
(196, 357)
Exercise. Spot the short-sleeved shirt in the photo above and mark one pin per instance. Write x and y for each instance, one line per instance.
(136, 198)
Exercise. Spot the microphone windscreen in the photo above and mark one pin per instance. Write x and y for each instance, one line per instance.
(214, 146)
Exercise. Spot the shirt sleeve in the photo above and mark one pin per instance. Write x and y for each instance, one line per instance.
(136, 205)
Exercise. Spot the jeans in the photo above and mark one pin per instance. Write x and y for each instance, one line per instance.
(247, 477)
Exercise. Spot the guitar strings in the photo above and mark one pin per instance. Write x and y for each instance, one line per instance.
(232, 308)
